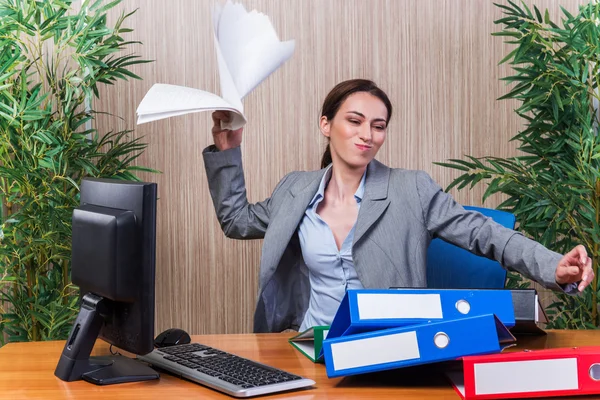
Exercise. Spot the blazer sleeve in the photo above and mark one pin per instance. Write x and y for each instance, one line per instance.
(471, 230)
(238, 218)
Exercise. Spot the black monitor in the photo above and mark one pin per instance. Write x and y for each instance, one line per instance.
(113, 264)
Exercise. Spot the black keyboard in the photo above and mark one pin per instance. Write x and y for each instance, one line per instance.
(226, 372)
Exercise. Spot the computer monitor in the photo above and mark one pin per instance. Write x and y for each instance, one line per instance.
(113, 264)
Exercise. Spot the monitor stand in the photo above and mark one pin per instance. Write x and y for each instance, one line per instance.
(75, 362)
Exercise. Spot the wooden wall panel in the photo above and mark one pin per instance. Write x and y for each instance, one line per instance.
(436, 59)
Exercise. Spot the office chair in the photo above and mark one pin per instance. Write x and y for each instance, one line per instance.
(450, 267)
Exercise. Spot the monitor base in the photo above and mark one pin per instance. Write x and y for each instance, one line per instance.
(118, 369)
(75, 362)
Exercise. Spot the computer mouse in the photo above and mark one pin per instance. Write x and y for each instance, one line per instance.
(172, 337)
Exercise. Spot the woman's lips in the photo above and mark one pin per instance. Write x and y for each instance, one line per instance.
(363, 147)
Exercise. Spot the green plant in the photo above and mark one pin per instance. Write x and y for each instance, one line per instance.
(553, 187)
(52, 59)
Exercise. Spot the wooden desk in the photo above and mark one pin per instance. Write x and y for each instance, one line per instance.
(27, 372)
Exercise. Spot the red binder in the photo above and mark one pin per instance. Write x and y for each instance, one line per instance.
(530, 373)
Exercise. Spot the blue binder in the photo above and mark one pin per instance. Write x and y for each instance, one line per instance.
(366, 310)
(414, 345)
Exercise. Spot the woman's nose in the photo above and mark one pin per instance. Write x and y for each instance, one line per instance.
(365, 134)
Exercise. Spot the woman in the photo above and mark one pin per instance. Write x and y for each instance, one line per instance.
(357, 223)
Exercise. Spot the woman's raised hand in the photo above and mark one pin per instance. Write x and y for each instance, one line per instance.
(225, 138)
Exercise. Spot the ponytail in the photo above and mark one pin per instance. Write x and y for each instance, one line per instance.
(326, 159)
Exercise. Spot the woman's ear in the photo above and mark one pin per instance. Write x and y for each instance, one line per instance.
(325, 125)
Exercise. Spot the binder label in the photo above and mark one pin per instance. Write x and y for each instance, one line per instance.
(398, 306)
(376, 350)
(526, 376)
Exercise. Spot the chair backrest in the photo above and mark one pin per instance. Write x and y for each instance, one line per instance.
(451, 267)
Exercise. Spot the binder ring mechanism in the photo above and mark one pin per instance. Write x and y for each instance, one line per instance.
(441, 340)
(463, 306)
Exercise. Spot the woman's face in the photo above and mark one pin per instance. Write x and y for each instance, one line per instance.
(357, 131)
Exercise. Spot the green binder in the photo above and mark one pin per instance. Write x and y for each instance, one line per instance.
(310, 342)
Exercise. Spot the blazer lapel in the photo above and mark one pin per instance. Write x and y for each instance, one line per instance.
(375, 200)
(291, 213)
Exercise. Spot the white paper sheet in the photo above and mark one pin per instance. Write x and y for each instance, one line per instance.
(248, 51)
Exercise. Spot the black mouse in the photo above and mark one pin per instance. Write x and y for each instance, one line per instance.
(172, 337)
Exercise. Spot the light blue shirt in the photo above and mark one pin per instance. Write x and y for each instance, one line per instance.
(331, 272)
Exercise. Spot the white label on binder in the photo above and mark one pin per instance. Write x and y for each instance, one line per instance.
(401, 306)
(375, 350)
(526, 376)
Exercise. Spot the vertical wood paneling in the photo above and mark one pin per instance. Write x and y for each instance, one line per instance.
(436, 59)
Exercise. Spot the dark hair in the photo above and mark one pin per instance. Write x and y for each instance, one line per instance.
(339, 94)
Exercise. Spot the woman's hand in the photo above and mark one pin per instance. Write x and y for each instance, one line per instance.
(225, 138)
(575, 266)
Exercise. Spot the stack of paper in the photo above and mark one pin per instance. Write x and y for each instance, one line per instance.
(248, 51)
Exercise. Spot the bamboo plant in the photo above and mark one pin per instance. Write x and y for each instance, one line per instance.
(53, 56)
(553, 186)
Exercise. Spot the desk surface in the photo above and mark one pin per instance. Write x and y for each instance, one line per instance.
(27, 372)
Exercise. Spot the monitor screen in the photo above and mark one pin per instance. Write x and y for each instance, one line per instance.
(113, 264)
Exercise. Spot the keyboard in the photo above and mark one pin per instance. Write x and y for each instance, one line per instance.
(222, 371)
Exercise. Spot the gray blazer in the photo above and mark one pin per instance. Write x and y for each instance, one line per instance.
(402, 210)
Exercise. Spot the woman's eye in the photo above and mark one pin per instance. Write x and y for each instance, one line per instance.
(354, 121)
(379, 127)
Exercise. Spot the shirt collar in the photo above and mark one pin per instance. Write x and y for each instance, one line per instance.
(358, 195)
